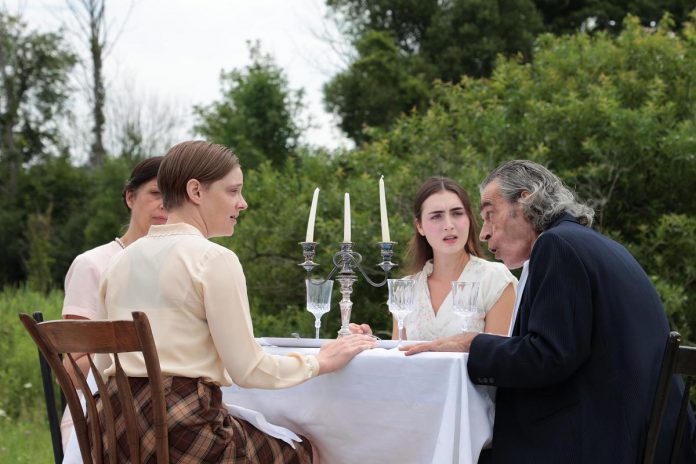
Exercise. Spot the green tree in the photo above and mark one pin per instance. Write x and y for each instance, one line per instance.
(40, 259)
(381, 84)
(34, 89)
(569, 17)
(257, 115)
(33, 92)
(402, 46)
(447, 40)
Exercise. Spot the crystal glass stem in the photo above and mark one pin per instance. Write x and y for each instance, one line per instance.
(345, 304)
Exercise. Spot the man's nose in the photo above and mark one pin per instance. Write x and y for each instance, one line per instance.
(485, 234)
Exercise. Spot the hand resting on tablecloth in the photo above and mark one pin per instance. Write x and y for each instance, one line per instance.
(336, 354)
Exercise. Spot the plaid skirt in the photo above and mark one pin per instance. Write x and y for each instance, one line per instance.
(200, 428)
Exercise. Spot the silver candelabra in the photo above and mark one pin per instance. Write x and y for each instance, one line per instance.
(345, 262)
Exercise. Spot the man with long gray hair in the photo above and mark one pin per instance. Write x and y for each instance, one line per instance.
(577, 375)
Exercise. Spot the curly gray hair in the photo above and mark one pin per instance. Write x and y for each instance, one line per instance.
(548, 197)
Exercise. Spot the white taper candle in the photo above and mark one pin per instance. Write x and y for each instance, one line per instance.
(346, 218)
(312, 216)
(383, 211)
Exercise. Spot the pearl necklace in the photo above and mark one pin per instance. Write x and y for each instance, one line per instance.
(118, 240)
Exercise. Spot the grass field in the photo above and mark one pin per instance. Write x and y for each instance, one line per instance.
(24, 434)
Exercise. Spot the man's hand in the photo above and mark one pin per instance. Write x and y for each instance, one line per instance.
(456, 343)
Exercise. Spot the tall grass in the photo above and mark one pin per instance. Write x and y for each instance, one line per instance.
(24, 435)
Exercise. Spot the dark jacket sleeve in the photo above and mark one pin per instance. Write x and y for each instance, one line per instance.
(555, 324)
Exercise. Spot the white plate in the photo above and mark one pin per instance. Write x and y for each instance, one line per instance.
(314, 343)
(292, 342)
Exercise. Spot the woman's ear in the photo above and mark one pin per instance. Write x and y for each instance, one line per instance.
(418, 227)
(130, 198)
(193, 190)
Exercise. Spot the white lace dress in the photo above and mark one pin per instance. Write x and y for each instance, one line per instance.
(424, 324)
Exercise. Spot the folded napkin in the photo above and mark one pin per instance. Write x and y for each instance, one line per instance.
(257, 419)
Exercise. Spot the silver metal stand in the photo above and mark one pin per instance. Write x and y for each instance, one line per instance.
(346, 261)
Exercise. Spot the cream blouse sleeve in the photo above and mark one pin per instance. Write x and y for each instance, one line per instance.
(495, 279)
(226, 304)
(81, 288)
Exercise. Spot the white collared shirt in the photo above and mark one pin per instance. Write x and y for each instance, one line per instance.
(518, 297)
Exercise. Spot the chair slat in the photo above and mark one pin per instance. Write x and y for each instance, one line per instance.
(71, 336)
(125, 396)
(108, 413)
(50, 398)
(91, 407)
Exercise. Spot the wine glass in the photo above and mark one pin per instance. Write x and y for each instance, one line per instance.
(318, 299)
(465, 304)
(401, 294)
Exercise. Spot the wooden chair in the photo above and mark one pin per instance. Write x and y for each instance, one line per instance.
(54, 413)
(676, 360)
(109, 337)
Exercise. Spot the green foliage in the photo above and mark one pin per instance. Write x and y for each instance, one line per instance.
(108, 216)
(257, 113)
(378, 86)
(33, 92)
(25, 440)
(667, 249)
(403, 45)
(40, 260)
(20, 378)
(434, 40)
(569, 17)
(22, 407)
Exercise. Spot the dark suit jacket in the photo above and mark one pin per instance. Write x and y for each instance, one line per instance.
(577, 378)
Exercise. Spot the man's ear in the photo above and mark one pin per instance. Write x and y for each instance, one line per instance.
(524, 194)
(193, 190)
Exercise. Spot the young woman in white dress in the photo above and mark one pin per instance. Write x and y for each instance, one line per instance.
(445, 248)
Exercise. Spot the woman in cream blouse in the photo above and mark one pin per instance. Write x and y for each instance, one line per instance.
(445, 248)
(194, 294)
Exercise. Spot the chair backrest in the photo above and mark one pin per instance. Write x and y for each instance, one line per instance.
(676, 360)
(54, 413)
(104, 337)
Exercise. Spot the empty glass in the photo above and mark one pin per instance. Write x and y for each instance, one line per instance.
(318, 299)
(465, 304)
(401, 294)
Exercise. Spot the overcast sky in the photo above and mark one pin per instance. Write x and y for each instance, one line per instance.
(175, 49)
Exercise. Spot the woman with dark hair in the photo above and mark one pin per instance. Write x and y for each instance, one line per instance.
(142, 198)
(445, 248)
(194, 294)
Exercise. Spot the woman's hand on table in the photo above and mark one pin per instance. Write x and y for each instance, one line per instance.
(335, 354)
(360, 328)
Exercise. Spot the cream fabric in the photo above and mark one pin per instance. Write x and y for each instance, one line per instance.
(194, 294)
(82, 280)
(424, 324)
(81, 291)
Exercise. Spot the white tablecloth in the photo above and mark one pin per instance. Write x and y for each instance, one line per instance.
(383, 407)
